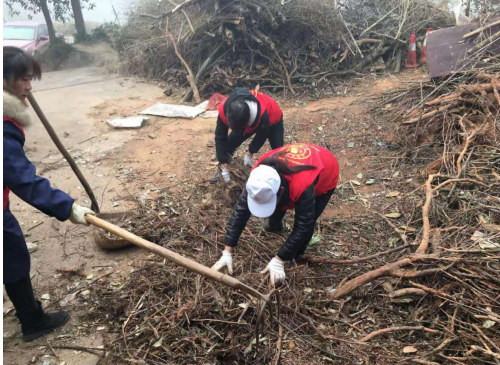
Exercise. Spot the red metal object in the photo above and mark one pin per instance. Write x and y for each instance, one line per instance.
(423, 55)
(215, 100)
(411, 61)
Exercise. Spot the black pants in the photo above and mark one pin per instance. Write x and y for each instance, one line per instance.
(277, 135)
(320, 203)
(22, 296)
(276, 139)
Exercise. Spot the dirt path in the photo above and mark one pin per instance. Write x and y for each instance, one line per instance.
(165, 153)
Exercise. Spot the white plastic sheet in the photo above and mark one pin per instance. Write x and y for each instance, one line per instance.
(176, 111)
(134, 122)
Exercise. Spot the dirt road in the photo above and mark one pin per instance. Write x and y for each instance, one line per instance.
(122, 164)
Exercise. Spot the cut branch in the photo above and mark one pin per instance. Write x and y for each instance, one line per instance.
(394, 329)
(479, 30)
(190, 76)
(407, 291)
(386, 270)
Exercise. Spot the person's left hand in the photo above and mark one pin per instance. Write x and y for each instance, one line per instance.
(276, 269)
(247, 160)
(78, 212)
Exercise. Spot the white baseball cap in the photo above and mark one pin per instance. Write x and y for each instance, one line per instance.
(262, 187)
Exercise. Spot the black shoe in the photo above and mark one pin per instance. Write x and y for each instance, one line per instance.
(216, 177)
(273, 228)
(48, 323)
(299, 260)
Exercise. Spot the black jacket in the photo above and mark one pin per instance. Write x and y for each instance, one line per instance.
(303, 226)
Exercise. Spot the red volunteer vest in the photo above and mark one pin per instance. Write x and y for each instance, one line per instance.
(307, 154)
(266, 104)
(6, 190)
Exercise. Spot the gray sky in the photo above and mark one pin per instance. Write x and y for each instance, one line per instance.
(103, 11)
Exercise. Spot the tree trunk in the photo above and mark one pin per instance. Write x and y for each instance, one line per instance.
(48, 20)
(467, 8)
(79, 22)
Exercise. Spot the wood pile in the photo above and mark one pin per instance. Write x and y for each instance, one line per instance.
(456, 123)
(290, 46)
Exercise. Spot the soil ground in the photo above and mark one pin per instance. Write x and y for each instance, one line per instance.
(165, 153)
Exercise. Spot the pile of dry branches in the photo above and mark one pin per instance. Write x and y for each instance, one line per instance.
(433, 299)
(456, 258)
(437, 304)
(163, 313)
(292, 45)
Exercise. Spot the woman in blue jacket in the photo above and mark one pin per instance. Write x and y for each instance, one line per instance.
(19, 177)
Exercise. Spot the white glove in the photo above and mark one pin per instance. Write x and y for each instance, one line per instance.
(226, 175)
(276, 269)
(77, 215)
(247, 160)
(225, 261)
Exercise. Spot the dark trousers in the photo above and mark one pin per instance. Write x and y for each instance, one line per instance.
(277, 135)
(16, 258)
(276, 138)
(28, 309)
(320, 203)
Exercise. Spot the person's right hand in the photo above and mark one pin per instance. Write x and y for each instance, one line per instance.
(226, 260)
(226, 175)
(77, 215)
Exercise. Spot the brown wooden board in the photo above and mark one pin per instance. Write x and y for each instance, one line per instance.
(445, 55)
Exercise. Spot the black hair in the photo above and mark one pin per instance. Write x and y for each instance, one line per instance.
(238, 114)
(17, 64)
(279, 162)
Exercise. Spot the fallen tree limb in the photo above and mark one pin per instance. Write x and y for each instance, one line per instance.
(190, 76)
(382, 48)
(419, 273)
(407, 291)
(484, 43)
(424, 244)
(394, 329)
(432, 113)
(350, 33)
(368, 277)
(443, 99)
(278, 345)
(93, 350)
(288, 80)
(475, 348)
(432, 291)
(204, 68)
(367, 41)
(479, 30)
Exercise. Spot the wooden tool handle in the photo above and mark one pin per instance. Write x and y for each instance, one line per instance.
(175, 257)
(53, 135)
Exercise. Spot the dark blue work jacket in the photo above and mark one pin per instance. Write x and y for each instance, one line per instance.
(19, 176)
